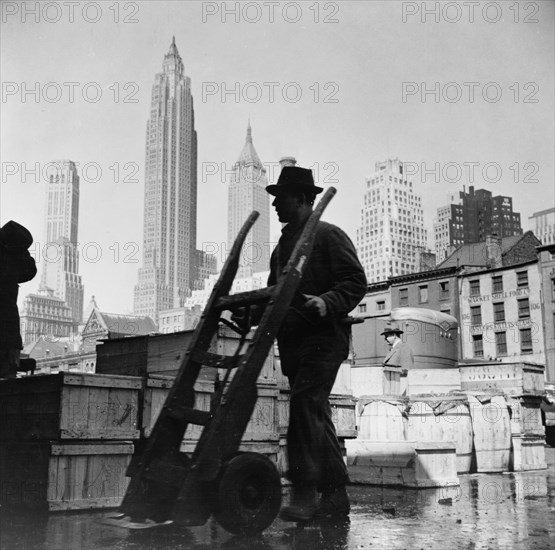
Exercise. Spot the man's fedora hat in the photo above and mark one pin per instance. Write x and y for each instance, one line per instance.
(294, 178)
(392, 328)
(13, 234)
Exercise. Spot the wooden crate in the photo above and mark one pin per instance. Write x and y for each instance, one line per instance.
(491, 427)
(155, 393)
(70, 406)
(343, 415)
(123, 356)
(63, 476)
(166, 351)
(527, 453)
(518, 378)
(262, 426)
(162, 354)
(526, 418)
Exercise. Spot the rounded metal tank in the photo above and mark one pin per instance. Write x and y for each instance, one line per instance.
(431, 335)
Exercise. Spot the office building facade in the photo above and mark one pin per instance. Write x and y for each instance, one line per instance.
(391, 235)
(471, 217)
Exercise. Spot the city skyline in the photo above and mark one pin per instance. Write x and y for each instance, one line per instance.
(364, 83)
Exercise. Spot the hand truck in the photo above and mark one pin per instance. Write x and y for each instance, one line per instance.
(241, 490)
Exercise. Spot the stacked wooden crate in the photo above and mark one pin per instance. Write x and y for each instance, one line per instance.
(522, 387)
(66, 440)
(156, 359)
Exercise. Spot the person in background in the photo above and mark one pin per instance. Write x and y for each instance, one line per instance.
(16, 266)
(400, 354)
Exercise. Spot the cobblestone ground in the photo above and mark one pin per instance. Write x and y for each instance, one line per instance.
(490, 511)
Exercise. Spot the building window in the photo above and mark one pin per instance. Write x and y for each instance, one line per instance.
(526, 340)
(497, 284)
(380, 306)
(444, 290)
(403, 296)
(475, 287)
(501, 343)
(478, 345)
(524, 308)
(521, 279)
(476, 315)
(423, 293)
(362, 308)
(553, 289)
(498, 312)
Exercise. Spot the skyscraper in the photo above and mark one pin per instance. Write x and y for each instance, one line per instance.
(57, 308)
(473, 217)
(172, 265)
(246, 193)
(391, 235)
(60, 254)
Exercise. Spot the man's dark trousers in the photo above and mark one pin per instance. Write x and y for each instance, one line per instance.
(311, 359)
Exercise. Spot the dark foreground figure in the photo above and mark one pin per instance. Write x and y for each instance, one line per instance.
(16, 266)
(313, 342)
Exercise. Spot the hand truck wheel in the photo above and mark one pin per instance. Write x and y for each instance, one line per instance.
(248, 495)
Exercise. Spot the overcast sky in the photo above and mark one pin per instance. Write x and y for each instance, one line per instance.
(338, 85)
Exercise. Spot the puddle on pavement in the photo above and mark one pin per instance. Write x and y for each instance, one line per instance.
(485, 511)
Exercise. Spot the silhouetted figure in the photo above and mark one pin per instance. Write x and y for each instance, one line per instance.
(313, 342)
(16, 266)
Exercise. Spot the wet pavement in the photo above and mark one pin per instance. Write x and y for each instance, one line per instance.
(493, 511)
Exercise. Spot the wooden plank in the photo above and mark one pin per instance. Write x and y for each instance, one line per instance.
(77, 449)
(102, 380)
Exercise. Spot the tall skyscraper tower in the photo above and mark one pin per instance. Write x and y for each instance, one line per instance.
(473, 217)
(392, 233)
(60, 253)
(246, 193)
(171, 263)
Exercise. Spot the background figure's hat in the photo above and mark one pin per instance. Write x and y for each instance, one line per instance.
(13, 234)
(294, 178)
(392, 328)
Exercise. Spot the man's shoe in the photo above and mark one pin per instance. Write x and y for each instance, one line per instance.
(302, 506)
(334, 503)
